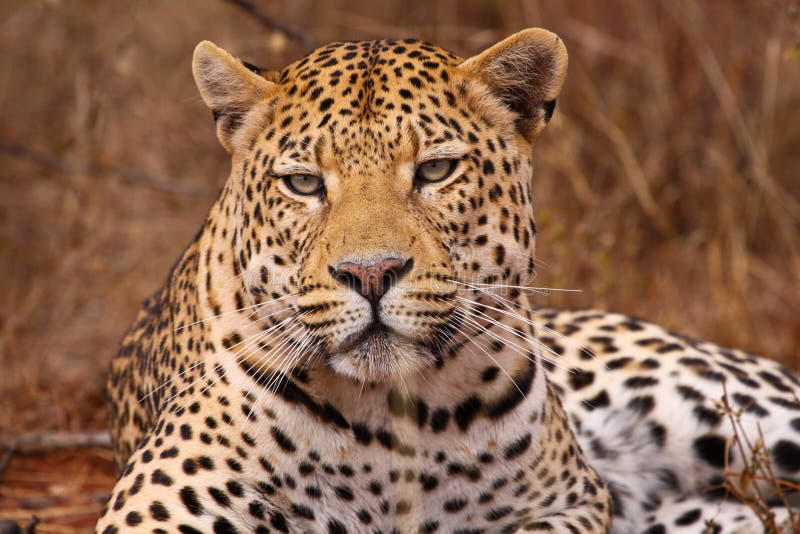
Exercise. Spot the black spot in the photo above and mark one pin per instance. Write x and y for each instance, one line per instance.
(439, 420)
(643, 404)
(158, 511)
(428, 482)
(344, 493)
(618, 363)
(133, 519)
(707, 415)
(689, 393)
(775, 381)
(515, 393)
(636, 382)
(711, 448)
(787, 455)
(219, 496)
(465, 412)
(256, 509)
(234, 488)
(795, 424)
(172, 452)
(282, 440)
(190, 500)
(579, 379)
(362, 433)
(601, 400)
(518, 447)
(303, 511)
(160, 477)
(750, 405)
(429, 526)
(490, 373)
(336, 527)
(658, 433)
(364, 516)
(189, 466)
(223, 526)
(278, 520)
(454, 505)
(689, 517)
(499, 254)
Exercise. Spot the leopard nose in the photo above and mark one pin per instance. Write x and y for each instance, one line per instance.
(372, 280)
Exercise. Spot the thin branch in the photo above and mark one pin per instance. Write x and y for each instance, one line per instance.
(49, 442)
(272, 24)
(56, 440)
(130, 176)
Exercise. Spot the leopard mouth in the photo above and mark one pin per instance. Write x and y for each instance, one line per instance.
(379, 353)
(374, 339)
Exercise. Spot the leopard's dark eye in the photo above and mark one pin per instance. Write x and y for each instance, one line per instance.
(304, 184)
(435, 170)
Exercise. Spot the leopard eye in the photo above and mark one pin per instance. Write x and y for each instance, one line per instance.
(435, 170)
(304, 184)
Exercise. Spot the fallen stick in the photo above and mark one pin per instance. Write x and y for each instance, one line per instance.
(48, 442)
(57, 512)
(56, 440)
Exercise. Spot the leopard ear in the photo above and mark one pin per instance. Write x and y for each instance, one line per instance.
(526, 71)
(229, 87)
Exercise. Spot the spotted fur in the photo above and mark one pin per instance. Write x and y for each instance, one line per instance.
(267, 388)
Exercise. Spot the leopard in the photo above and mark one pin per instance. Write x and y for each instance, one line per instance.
(350, 344)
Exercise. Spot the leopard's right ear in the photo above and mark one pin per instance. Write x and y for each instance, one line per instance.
(229, 87)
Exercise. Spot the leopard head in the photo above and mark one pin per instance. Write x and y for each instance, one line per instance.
(372, 183)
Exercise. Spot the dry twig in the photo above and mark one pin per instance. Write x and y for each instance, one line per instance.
(50, 441)
(57, 440)
(272, 24)
(130, 176)
(757, 475)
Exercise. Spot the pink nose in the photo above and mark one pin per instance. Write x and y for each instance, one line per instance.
(372, 280)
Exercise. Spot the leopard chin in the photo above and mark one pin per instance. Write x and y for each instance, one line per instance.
(380, 355)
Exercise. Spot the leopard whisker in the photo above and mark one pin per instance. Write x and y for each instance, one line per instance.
(503, 369)
(252, 341)
(509, 304)
(539, 290)
(286, 363)
(512, 314)
(538, 344)
(273, 352)
(204, 360)
(260, 304)
(535, 344)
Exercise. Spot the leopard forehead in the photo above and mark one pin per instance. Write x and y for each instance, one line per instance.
(369, 104)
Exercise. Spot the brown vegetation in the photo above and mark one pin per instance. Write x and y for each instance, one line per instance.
(668, 184)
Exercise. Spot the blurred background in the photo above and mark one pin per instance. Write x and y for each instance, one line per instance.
(667, 185)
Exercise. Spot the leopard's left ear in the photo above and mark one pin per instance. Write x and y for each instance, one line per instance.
(526, 71)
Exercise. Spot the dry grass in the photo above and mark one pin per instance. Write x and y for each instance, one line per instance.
(755, 483)
(668, 184)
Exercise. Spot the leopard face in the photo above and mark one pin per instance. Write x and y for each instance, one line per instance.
(373, 183)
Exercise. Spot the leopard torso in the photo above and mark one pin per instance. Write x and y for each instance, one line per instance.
(345, 347)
